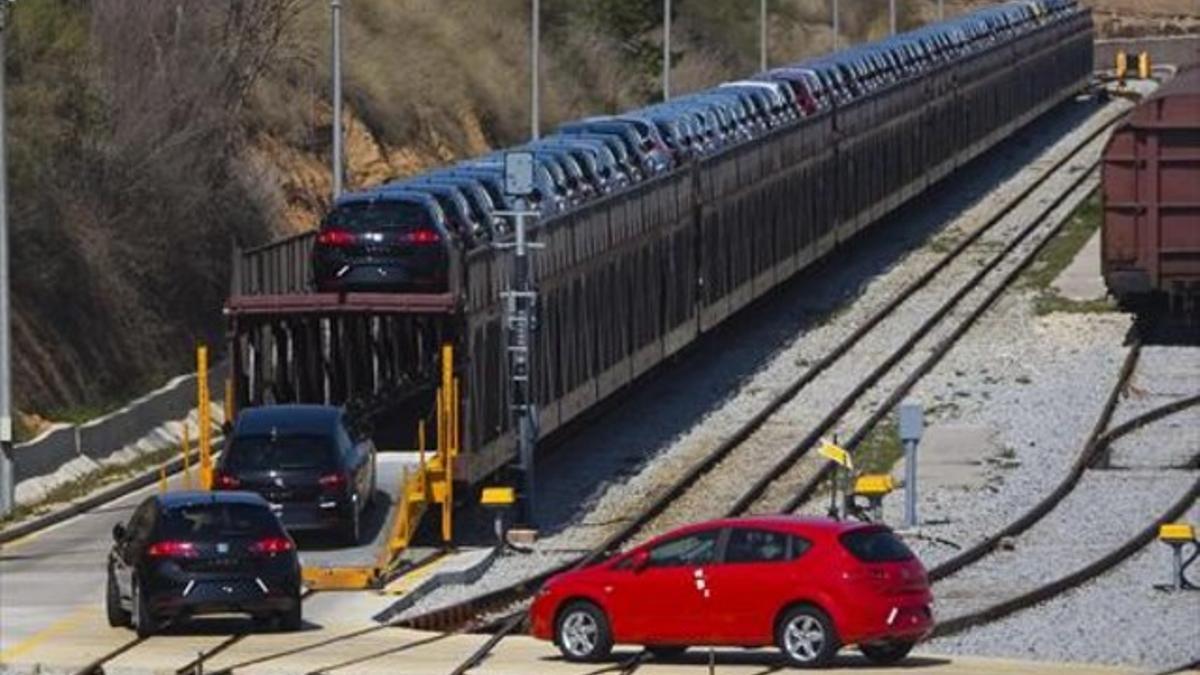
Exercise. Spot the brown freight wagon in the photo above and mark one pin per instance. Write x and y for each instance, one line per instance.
(1151, 183)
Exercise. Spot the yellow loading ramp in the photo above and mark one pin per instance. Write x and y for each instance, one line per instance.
(411, 487)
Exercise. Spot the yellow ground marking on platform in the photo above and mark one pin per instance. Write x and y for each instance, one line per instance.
(337, 578)
(56, 629)
(407, 582)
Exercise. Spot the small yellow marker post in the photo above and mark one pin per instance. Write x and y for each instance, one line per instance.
(162, 478)
(1144, 65)
(1178, 535)
(1122, 67)
(840, 456)
(205, 409)
(874, 487)
(499, 500)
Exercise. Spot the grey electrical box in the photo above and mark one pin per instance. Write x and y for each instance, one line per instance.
(518, 173)
(912, 421)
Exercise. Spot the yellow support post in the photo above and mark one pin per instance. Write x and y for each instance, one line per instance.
(421, 454)
(230, 409)
(205, 435)
(187, 460)
(1144, 65)
(447, 456)
(1122, 66)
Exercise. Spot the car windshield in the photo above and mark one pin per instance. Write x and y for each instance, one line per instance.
(213, 520)
(283, 453)
(876, 546)
(378, 215)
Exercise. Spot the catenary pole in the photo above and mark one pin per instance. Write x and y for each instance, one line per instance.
(762, 35)
(535, 122)
(666, 57)
(836, 28)
(338, 164)
(7, 482)
(892, 16)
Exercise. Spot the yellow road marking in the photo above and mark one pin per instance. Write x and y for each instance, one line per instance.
(53, 630)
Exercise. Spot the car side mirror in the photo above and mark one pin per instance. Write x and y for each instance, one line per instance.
(118, 533)
(639, 561)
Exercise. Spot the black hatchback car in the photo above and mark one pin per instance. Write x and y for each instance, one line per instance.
(375, 241)
(306, 461)
(188, 553)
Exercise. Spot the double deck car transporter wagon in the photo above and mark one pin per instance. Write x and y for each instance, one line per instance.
(632, 277)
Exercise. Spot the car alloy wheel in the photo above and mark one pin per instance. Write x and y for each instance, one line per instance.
(579, 633)
(806, 637)
(582, 632)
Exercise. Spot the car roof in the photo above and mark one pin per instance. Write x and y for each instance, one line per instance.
(175, 500)
(827, 527)
(288, 419)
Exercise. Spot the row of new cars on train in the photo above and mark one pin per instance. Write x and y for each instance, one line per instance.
(398, 236)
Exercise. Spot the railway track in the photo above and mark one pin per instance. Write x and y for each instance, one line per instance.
(1093, 454)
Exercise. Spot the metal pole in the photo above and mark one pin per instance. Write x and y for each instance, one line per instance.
(520, 321)
(762, 35)
(1178, 556)
(836, 30)
(910, 483)
(535, 47)
(7, 496)
(336, 8)
(666, 73)
(892, 15)
(941, 10)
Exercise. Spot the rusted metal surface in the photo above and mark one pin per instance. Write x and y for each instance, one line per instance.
(1151, 188)
(301, 304)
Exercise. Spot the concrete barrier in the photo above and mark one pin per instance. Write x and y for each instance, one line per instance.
(98, 439)
(46, 453)
(1176, 50)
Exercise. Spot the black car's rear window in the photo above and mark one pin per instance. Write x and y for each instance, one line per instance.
(210, 521)
(282, 453)
(876, 546)
(380, 215)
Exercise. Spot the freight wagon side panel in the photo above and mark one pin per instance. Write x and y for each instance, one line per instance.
(1151, 194)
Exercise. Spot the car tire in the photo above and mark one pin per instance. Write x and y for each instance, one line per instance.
(582, 633)
(354, 535)
(887, 653)
(806, 637)
(143, 619)
(666, 652)
(292, 619)
(118, 616)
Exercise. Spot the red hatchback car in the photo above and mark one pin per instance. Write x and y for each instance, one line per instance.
(807, 585)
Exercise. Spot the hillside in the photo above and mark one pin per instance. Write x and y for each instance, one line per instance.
(146, 138)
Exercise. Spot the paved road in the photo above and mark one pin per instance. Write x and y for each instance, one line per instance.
(52, 582)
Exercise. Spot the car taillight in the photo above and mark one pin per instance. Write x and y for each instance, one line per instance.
(333, 481)
(422, 237)
(335, 238)
(271, 546)
(224, 481)
(172, 549)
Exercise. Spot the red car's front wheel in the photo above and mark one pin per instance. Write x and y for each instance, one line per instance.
(582, 632)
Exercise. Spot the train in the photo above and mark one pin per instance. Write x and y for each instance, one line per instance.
(630, 276)
(1150, 242)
